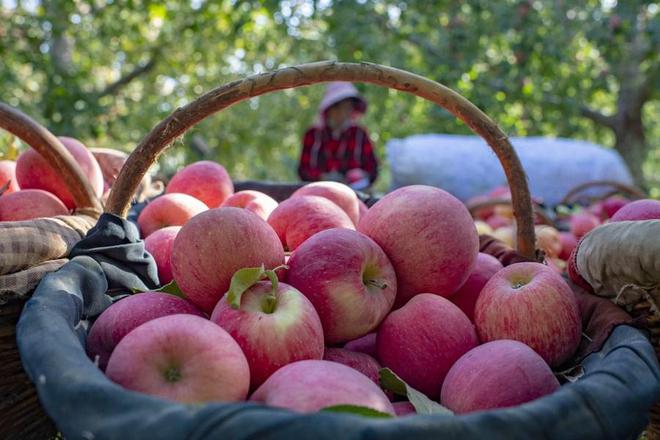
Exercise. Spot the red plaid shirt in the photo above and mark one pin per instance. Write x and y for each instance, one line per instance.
(322, 153)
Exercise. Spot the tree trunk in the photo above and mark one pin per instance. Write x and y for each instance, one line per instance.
(631, 144)
(627, 123)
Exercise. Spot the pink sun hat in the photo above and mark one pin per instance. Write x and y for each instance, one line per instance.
(338, 91)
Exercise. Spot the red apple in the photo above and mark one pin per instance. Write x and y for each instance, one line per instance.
(255, 201)
(422, 340)
(403, 409)
(168, 210)
(497, 374)
(205, 180)
(213, 245)
(34, 172)
(183, 358)
(309, 386)
(361, 362)
(349, 280)
(111, 162)
(597, 210)
(8, 174)
(497, 221)
(128, 313)
(27, 204)
(645, 209)
(363, 208)
(612, 204)
(583, 222)
(481, 213)
(466, 297)
(530, 303)
(568, 243)
(298, 218)
(500, 192)
(274, 328)
(366, 344)
(338, 193)
(159, 244)
(429, 237)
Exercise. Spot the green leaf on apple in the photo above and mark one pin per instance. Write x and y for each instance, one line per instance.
(358, 410)
(173, 289)
(423, 405)
(242, 280)
(245, 278)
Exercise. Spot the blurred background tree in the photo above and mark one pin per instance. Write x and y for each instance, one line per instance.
(106, 71)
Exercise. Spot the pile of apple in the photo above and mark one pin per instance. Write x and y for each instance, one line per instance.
(31, 187)
(572, 224)
(310, 303)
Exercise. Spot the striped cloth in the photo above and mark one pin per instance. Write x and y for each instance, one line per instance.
(32, 248)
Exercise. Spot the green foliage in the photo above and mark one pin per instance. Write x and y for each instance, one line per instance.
(107, 71)
(247, 277)
(422, 404)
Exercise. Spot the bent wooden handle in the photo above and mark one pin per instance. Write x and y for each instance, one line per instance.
(51, 149)
(175, 125)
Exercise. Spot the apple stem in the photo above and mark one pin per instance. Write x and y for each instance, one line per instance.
(269, 303)
(172, 374)
(380, 284)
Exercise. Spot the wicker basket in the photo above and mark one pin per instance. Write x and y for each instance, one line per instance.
(218, 99)
(575, 194)
(21, 415)
(223, 97)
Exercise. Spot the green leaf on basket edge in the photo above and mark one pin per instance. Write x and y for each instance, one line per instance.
(172, 288)
(423, 405)
(358, 410)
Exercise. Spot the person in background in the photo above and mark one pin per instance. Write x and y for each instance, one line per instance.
(336, 147)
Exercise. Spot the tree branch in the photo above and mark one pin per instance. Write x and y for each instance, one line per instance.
(114, 87)
(598, 117)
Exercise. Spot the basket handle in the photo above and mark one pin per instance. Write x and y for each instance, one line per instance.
(51, 149)
(618, 187)
(175, 125)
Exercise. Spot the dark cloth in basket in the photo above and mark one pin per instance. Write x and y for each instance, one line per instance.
(611, 401)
